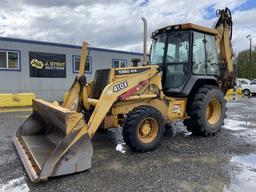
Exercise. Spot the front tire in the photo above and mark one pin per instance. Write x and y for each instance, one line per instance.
(206, 109)
(246, 92)
(143, 128)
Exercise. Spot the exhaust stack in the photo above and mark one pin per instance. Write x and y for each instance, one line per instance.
(144, 41)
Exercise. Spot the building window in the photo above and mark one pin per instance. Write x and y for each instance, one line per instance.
(118, 63)
(9, 60)
(76, 64)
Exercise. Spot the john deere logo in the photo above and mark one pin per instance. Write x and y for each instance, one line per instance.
(16, 99)
(37, 64)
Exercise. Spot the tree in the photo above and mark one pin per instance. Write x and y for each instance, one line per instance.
(242, 61)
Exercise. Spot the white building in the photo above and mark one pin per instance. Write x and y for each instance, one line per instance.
(48, 69)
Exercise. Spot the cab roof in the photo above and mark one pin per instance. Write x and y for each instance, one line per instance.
(185, 26)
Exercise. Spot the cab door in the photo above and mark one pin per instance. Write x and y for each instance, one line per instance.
(177, 62)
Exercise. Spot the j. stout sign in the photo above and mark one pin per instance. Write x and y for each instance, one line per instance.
(47, 65)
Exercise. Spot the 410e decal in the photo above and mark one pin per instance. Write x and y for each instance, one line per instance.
(120, 86)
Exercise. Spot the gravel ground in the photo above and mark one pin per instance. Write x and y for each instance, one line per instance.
(183, 162)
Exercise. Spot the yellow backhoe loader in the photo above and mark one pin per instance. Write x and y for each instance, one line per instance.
(189, 71)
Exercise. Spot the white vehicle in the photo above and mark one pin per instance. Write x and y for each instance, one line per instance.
(249, 87)
(242, 81)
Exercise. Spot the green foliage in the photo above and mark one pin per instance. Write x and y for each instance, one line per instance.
(242, 61)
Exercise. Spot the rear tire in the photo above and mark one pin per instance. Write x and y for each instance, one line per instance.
(143, 128)
(206, 109)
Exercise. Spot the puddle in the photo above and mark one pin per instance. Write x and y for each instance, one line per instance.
(235, 104)
(236, 116)
(15, 185)
(245, 179)
(234, 125)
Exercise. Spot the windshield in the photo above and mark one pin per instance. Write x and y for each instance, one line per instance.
(157, 49)
(177, 48)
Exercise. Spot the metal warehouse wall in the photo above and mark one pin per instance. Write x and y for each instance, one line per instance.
(52, 88)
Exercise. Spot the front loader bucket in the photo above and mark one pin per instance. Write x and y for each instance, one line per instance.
(48, 142)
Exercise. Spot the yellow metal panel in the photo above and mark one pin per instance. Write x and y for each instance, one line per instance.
(16, 100)
(110, 121)
(65, 96)
(177, 109)
(193, 27)
(231, 91)
(199, 28)
(239, 91)
(161, 105)
(127, 106)
(15, 109)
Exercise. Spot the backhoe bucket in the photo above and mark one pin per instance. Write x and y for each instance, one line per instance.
(49, 142)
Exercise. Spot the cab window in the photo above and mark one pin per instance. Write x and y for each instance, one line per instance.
(157, 50)
(205, 57)
(177, 58)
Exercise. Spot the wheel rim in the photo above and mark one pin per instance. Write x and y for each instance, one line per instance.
(246, 92)
(213, 111)
(148, 130)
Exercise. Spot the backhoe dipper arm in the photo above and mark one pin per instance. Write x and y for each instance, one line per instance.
(224, 27)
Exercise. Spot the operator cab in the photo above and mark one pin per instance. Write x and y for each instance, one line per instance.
(186, 53)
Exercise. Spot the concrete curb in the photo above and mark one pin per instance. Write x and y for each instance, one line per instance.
(16, 100)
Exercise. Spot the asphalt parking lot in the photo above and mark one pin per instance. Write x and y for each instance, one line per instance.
(183, 162)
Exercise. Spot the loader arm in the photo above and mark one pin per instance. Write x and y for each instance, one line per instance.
(109, 96)
(73, 99)
(224, 27)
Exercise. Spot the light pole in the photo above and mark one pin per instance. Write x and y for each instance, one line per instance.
(250, 67)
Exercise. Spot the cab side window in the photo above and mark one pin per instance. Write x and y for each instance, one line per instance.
(198, 66)
(211, 56)
(205, 57)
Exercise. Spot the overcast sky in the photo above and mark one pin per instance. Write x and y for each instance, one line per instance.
(117, 24)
